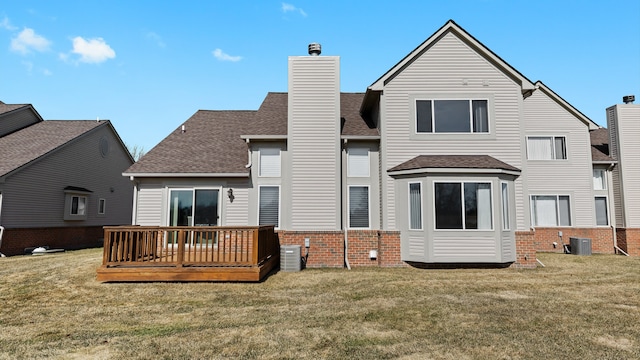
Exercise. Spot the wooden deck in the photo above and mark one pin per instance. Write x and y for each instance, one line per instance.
(184, 253)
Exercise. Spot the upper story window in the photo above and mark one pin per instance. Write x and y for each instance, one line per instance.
(358, 162)
(546, 147)
(269, 162)
(452, 116)
(599, 179)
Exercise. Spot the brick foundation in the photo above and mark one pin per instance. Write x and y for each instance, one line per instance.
(629, 240)
(327, 247)
(14, 241)
(525, 250)
(601, 238)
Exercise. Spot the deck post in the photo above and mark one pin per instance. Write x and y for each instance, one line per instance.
(106, 246)
(256, 238)
(181, 239)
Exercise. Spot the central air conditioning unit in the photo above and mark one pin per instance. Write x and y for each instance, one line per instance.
(290, 259)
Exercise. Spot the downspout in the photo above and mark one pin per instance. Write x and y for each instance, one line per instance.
(344, 209)
(134, 213)
(248, 154)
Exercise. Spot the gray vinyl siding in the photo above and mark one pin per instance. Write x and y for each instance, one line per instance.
(372, 181)
(615, 176)
(34, 196)
(573, 176)
(256, 180)
(153, 199)
(149, 205)
(440, 71)
(625, 132)
(313, 142)
(16, 120)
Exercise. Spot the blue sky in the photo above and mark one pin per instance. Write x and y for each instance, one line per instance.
(149, 65)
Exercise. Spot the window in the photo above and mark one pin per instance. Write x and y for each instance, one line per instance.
(358, 162)
(546, 147)
(358, 206)
(463, 205)
(599, 179)
(269, 211)
(269, 162)
(182, 211)
(101, 206)
(415, 206)
(602, 215)
(78, 205)
(505, 206)
(452, 116)
(550, 210)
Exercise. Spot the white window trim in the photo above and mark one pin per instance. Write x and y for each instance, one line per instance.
(193, 201)
(421, 205)
(509, 205)
(68, 205)
(349, 174)
(104, 207)
(260, 151)
(604, 179)
(566, 147)
(433, 117)
(463, 209)
(531, 210)
(595, 218)
(279, 204)
(349, 207)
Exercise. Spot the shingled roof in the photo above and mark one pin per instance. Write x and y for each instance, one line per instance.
(24, 146)
(600, 146)
(5, 108)
(453, 162)
(213, 143)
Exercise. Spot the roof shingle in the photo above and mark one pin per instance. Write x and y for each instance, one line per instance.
(600, 145)
(26, 145)
(453, 162)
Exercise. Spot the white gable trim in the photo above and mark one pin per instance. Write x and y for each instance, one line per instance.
(451, 26)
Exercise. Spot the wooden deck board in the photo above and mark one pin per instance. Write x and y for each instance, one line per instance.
(186, 273)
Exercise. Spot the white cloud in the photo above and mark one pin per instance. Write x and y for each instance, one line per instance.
(91, 51)
(47, 72)
(157, 38)
(6, 24)
(27, 40)
(292, 8)
(222, 56)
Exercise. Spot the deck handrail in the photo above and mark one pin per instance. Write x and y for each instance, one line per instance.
(179, 246)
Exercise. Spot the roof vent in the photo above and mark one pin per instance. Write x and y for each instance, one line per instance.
(629, 99)
(315, 49)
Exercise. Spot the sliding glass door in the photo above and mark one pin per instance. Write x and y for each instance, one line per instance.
(193, 207)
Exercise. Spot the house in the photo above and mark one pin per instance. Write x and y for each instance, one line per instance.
(60, 181)
(452, 156)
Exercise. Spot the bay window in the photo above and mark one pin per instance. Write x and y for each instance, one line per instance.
(463, 205)
(415, 206)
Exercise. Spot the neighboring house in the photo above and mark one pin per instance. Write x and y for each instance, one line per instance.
(451, 156)
(60, 181)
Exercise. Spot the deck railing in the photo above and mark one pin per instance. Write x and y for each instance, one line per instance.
(180, 246)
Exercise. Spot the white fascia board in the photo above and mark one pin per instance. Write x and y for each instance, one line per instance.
(360, 137)
(186, 175)
(562, 102)
(263, 137)
(525, 84)
(453, 171)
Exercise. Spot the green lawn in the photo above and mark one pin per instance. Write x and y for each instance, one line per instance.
(578, 307)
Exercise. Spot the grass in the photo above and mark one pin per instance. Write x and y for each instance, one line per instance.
(575, 308)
